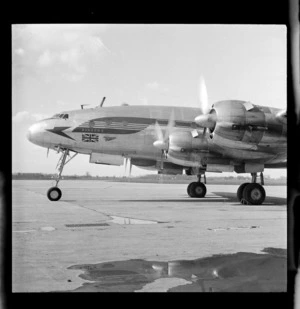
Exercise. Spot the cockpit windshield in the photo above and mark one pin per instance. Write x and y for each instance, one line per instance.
(64, 116)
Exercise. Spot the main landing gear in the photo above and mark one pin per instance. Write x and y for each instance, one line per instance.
(247, 193)
(54, 193)
(197, 189)
(252, 193)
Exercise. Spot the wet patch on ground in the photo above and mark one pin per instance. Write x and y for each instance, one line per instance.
(128, 220)
(238, 272)
(87, 225)
(233, 228)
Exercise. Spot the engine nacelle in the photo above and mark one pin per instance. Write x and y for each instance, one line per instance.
(241, 125)
(185, 142)
(185, 150)
(238, 121)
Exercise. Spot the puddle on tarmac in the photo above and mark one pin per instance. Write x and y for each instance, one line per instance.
(233, 228)
(86, 224)
(124, 220)
(238, 272)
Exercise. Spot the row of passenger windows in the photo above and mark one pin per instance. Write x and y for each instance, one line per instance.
(63, 116)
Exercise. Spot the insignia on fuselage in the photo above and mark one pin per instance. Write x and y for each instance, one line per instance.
(90, 138)
(108, 138)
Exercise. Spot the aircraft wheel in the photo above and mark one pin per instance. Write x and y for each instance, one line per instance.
(241, 190)
(254, 194)
(54, 194)
(189, 191)
(198, 189)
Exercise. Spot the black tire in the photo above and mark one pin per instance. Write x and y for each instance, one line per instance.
(241, 190)
(198, 189)
(254, 194)
(189, 191)
(54, 194)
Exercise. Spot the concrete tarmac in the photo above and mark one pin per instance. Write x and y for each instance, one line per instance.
(100, 222)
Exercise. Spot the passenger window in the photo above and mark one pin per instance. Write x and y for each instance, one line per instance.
(66, 116)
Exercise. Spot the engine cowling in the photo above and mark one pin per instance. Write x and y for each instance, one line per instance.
(239, 124)
(183, 141)
(185, 150)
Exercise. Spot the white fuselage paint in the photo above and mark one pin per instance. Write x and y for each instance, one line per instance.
(105, 128)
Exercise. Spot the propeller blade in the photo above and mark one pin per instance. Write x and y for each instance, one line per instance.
(125, 164)
(170, 126)
(162, 142)
(203, 97)
(158, 132)
(47, 152)
(160, 145)
(130, 168)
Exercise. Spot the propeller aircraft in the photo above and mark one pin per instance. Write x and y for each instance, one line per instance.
(230, 136)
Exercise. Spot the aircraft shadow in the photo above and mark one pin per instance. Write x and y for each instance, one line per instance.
(223, 197)
(269, 201)
(184, 200)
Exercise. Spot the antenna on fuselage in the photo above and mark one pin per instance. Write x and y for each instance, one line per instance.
(102, 102)
(83, 105)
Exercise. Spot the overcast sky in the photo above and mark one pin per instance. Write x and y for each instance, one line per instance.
(59, 67)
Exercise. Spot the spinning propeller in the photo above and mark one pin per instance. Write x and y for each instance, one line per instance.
(162, 140)
(207, 119)
(130, 165)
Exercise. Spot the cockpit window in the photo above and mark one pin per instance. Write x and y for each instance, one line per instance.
(63, 116)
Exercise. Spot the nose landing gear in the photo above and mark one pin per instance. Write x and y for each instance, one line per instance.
(252, 193)
(54, 193)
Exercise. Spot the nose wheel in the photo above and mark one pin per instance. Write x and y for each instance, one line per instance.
(54, 194)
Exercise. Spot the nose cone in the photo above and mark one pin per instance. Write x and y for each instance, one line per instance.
(36, 132)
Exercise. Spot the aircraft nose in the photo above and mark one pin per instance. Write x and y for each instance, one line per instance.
(35, 133)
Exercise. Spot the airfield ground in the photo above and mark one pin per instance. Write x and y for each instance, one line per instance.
(112, 236)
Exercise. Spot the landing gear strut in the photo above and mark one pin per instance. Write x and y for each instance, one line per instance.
(252, 193)
(54, 193)
(197, 189)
